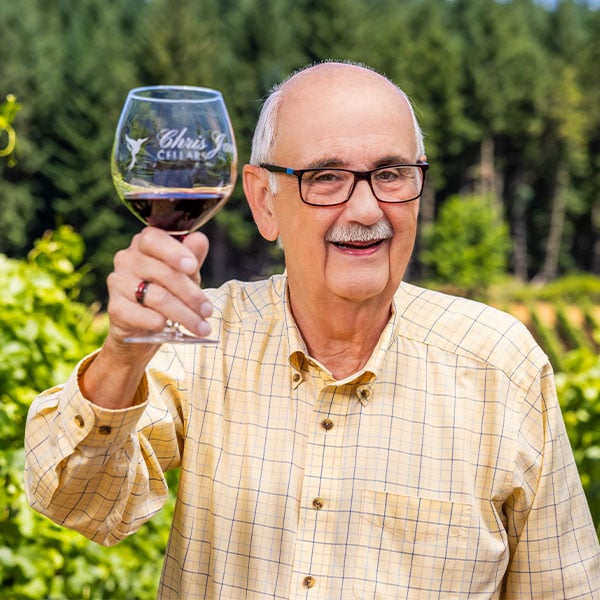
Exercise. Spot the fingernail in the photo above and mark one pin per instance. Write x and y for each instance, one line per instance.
(203, 328)
(206, 309)
(188, 265)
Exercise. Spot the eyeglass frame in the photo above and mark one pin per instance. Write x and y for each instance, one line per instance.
(358, 176)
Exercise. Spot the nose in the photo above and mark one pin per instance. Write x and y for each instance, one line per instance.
(362, 206)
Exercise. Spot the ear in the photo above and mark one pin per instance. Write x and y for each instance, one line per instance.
(260, 198)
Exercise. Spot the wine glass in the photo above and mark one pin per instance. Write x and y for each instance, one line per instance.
(174, 165)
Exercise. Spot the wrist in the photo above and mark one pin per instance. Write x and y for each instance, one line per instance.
(114, 378)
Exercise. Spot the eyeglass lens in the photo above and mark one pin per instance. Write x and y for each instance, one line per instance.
(334, 186)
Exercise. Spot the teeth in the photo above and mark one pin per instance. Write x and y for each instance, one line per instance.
(358, 244)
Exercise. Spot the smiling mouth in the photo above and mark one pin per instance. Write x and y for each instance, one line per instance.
(357, 237)
(358, 245)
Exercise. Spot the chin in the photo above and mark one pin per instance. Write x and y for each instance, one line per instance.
(363, 289)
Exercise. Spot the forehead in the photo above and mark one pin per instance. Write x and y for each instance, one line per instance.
(343, 114)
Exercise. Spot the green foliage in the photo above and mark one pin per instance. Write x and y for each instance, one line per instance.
(591, 323)
(8, 138)
(572, 333)
(547, 337)
(578, 388)
(44, 331)
(12, 207)
(467, 247)
(42, 334)
(71, 73)
(576, 289)
(564, 317)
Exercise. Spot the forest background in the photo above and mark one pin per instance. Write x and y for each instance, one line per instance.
(508, 95)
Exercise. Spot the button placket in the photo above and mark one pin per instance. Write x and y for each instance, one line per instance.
(324, 458)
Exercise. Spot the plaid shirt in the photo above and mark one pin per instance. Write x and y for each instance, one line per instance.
(440, 470)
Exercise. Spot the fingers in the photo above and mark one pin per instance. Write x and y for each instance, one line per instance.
(197, 243)
(173, 292)
(186, 256)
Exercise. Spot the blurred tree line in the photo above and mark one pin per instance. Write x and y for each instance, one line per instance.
(508, 94)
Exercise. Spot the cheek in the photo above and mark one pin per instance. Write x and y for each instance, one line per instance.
(403, 218)
(405, 232)
(303, 226)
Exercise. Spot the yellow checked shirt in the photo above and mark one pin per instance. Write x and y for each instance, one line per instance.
(440, 470)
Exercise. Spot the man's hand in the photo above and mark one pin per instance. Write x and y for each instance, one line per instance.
(172, 270)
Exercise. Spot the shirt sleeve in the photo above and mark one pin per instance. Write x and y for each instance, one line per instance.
(95, 470)
(554, 546)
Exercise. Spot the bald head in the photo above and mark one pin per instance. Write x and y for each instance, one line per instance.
(335, 86)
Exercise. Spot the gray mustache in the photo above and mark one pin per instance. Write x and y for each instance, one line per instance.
(354, 232)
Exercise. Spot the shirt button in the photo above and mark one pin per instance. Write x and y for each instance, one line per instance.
(79, 420)
(308, 582)
(105, 430)
(326, 424)
(318, 503)
(296, 377)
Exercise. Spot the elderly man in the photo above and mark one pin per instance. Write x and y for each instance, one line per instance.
(351, 435)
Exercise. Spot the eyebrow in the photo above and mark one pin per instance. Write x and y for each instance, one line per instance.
(338, 163)
(393, 159)
(324, 163)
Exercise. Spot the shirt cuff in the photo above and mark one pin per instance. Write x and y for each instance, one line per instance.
(88, 425)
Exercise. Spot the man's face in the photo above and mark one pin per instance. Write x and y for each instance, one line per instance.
(356, 121)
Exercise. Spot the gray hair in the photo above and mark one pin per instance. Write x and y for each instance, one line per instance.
(263, 140)
(265, 133)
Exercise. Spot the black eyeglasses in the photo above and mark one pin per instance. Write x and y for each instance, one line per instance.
(330, 187)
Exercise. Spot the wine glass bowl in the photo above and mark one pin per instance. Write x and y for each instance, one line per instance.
(174, 162)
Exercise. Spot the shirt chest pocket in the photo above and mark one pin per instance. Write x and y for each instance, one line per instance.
(410, 547)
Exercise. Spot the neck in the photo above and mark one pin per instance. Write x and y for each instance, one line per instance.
(343, 337)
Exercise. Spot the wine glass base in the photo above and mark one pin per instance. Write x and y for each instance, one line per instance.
(169, 337)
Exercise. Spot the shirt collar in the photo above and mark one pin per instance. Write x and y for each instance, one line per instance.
(299, 358)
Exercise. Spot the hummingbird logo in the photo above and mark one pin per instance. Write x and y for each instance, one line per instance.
(134, 146)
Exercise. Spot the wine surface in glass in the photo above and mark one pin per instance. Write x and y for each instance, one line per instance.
(175, 211)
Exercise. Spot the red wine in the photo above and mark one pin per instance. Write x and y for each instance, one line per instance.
(177, 212)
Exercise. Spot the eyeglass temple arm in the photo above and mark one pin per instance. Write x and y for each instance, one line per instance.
(276, 169)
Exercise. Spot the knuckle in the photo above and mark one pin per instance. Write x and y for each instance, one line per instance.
(160, 296)
(148, 237)
(119, 258)
(116, 311)
(111, 280)
(126, 319)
